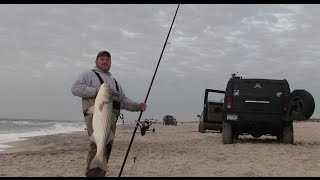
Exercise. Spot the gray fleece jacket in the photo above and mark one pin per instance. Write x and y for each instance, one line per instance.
(85, 87)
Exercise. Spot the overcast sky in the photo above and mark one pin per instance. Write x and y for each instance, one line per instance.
(43, 48)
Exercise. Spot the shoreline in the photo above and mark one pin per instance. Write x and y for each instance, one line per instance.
(5, 145)
(19, 144)
(22, 143)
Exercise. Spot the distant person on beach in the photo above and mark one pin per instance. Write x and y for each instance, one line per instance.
(87, 86)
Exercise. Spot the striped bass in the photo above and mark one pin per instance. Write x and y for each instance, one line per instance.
(101, 123)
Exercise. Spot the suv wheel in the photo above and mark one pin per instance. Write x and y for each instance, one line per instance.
(305, 101)
(227, 137)
(287, 134)
(280, 137)
(235, 136)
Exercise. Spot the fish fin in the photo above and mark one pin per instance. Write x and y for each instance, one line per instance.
(101, 106)
(111, 137)
(99, 161)
(90, 110)
(94, 163)
(92, 138)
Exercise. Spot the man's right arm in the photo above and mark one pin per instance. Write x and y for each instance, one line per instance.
(82, 88)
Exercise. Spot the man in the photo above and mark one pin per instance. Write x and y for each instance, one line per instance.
(87, 86)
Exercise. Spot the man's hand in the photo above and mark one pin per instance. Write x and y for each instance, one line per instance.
(142, 106)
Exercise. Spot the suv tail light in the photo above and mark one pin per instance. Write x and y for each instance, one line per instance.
(284, 104)
(229, 102)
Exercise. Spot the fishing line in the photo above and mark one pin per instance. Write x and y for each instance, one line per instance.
(137, 124)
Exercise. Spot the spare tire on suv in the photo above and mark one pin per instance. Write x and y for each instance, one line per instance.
(302, 104)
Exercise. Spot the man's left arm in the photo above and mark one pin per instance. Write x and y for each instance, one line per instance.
(130, 105)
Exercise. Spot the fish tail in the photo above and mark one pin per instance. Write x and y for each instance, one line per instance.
(99, 161)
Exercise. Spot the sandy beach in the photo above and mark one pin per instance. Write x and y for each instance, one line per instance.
(170, 151)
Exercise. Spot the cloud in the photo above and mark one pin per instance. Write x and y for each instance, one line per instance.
(42, 24)
(307, 64)
(3, 29)
(162, 13)
(180, 41)
(163, 18)
(8, 68)
(129, 34)
(253, 21)
(83, 65)
(123, 58)
(273, 22)
(205, 67)
(36, 73)
(284, 22)
(232, 39)
(176, 71)
(84, 35)
(236, 33)
(55, 65)
(282, 42)
(93, 26)
(89, 56)
(250, 45)
(179, 32)
(208, 30)
(165, 25)
(118, 64)
(244, 64)
(193, 8)
(130, 52)
(54, 11)
(295, 8)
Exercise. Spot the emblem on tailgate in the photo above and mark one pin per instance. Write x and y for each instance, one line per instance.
(279, 94)
(257, 85)
(236, 92)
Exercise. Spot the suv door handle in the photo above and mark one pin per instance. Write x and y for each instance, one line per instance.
(261, 102)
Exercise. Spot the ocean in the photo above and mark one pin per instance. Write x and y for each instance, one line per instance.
(20, 129)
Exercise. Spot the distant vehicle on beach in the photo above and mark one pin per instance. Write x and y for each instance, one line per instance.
(169, 120)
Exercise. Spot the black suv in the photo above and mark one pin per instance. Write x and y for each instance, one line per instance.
(169, 120)
(259, 107)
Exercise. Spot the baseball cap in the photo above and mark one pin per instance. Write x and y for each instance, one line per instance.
(101, 53)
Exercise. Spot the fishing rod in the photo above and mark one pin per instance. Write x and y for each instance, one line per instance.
(135, 129)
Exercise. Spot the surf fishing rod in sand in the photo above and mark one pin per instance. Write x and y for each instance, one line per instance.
(137, 124)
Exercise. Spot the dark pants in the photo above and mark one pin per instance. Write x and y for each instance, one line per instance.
(96, 172)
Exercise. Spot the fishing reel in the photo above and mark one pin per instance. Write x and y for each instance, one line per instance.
(144, 126)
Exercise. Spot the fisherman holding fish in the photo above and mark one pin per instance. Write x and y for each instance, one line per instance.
(102, 99)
